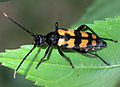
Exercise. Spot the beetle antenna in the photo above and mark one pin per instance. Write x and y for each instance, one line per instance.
(18, 24)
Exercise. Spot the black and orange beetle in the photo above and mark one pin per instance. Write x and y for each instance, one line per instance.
(78, 40)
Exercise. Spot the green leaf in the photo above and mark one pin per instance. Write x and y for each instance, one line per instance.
(89, 71)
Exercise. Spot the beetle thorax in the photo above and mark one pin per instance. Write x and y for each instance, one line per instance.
(52, 38)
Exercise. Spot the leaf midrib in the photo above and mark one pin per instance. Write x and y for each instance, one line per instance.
(58, 65)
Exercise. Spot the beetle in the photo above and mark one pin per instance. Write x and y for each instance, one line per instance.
(78, 40)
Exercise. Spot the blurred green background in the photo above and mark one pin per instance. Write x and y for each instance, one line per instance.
(39, 16)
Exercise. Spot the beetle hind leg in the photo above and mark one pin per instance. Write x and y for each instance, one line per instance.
(109, 40)
(94, 54)
(99, 58)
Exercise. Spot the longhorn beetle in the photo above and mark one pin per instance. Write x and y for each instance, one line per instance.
(78, 40)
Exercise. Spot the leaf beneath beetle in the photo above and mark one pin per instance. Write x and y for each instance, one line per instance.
(89, 71)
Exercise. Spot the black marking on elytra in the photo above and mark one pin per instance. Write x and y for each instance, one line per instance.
(77, 39)
(67, 37)
(89, 44)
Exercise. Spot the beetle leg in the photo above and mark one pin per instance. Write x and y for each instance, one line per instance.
(99, 58)
(83, 51)
(46, 52)
(85, 27)
(66, 58)
(109, 39)
(56, 26)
